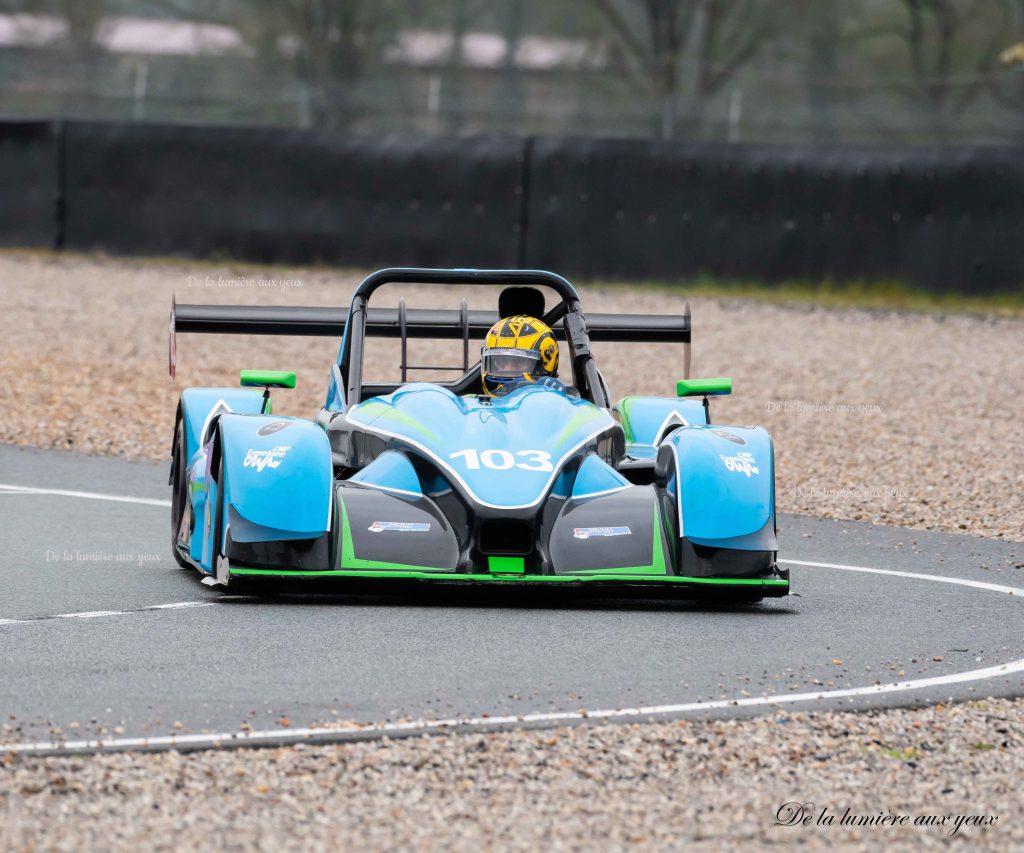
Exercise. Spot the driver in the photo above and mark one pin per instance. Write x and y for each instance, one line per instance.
(519, 350)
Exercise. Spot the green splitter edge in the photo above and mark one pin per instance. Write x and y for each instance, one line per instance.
(653, 580)
(704, 387)
(267, 379)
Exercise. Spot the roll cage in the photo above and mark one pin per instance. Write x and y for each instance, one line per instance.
(567, 314)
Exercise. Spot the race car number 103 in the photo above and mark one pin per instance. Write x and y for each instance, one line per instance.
(503, 460)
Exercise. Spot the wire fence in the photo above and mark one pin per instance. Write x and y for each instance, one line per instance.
(789, 89)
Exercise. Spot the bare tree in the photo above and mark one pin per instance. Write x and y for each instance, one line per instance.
(683, 52)
(454, 78)
(82, 68)
(822, 25)
(512, 98)
(952, 49)
(332, 39)
(333, 43)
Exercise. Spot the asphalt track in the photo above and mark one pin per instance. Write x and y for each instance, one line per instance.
(91, 650)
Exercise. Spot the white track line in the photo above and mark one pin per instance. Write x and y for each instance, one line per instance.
(414, 727)
(991, 587)
(101, 614)
(7, 488)
(95, 496)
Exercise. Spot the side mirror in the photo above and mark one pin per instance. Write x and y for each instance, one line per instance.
(266, 379)
(703, 387)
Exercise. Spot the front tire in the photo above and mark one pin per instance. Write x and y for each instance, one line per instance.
(179, 492)
(217, 515)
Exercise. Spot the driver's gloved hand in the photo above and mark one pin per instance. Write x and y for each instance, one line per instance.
(552, 382)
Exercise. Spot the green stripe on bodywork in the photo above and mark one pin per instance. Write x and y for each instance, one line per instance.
(625, 570)
(373, 408)
(657, 566)
(583, 416)
(739, 581)
(435, 574)
(625, 405)
(349, 560)
(376, 410)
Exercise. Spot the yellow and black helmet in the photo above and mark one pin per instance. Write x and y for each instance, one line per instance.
(518, 349)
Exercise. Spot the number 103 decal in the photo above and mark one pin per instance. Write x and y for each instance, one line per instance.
(503, 460)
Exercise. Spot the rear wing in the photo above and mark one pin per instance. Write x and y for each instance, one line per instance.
(407, 323)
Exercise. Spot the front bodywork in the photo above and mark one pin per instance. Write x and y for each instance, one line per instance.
(521, 489)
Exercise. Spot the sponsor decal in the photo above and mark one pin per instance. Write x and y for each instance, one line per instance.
(400, 526)
(743, 462)
(587, 532)
(260, 459)
(729, 436)
(270, 429)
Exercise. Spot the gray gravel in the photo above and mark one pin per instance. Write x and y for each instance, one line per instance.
(717, 784)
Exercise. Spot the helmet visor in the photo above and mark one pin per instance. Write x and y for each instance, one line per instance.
(507, 361)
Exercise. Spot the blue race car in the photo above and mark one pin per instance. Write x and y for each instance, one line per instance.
(451, 482)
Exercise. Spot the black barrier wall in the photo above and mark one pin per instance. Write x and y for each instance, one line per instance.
(29, 184)
(942, 218)
(277, 195)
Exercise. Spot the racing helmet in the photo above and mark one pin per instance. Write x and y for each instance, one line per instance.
(519, 348)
